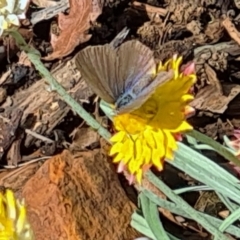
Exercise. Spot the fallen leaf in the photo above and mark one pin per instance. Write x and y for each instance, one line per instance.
(208, 99)
(24, 60)
(73, 27)
(212, 97)
(83, 138)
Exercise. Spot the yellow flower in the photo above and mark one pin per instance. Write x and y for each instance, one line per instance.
(146, 136)
(10, 13)
(13, 220)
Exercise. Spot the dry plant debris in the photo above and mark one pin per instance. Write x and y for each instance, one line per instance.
(211, 98)
(67, 188)
(43, 110)
(8, 128)
(44, 3)
(73, 27)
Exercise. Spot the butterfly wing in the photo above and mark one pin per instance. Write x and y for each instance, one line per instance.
(111, 72)
(97, 66)
(142, 96)
(135, 60)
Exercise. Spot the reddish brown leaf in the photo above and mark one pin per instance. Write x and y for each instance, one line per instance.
(73, 27)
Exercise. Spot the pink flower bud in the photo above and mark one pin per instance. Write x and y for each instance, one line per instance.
(121, 167)
(189, 111)
(189, 69)
(131, 179)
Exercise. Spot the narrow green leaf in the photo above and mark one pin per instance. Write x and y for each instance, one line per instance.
(151, 215)
(208, 178)
(230, 220)
(219, 148)
(229, 204)
(140, 224)
(191, 189)
(190, 155)
(191, 140)
(203, 147)
(228, 143)
(178, 210)
(107, 109)
(185, 206)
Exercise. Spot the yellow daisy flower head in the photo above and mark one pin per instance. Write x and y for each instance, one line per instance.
(13, 220)
(148, 135)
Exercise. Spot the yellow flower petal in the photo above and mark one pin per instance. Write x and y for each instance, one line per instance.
(118, 158)
(117, 147)
(170, 141)
(118, 137)
(132, 166)
(139, 176)
(10, 199)
(2, 209)
(138, 149)
(183, 127)
(13, 218)
(21, 219)
(169, 154)
(149, 138)
(187, 98)
(146, 154)
(127, 149)
(156, 158)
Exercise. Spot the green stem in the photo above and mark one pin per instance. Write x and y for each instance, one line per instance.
(35, 57)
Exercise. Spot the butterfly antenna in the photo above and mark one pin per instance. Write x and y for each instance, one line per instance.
(119, 38)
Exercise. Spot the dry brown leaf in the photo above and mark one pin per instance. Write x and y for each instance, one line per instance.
(231, 29)
(83, 138)
(24, 60)
(212, 98)
(73, 27)
(208, 99)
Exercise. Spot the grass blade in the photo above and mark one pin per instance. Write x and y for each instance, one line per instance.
(151, 215)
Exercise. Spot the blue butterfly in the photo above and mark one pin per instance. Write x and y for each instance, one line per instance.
(124, 76)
